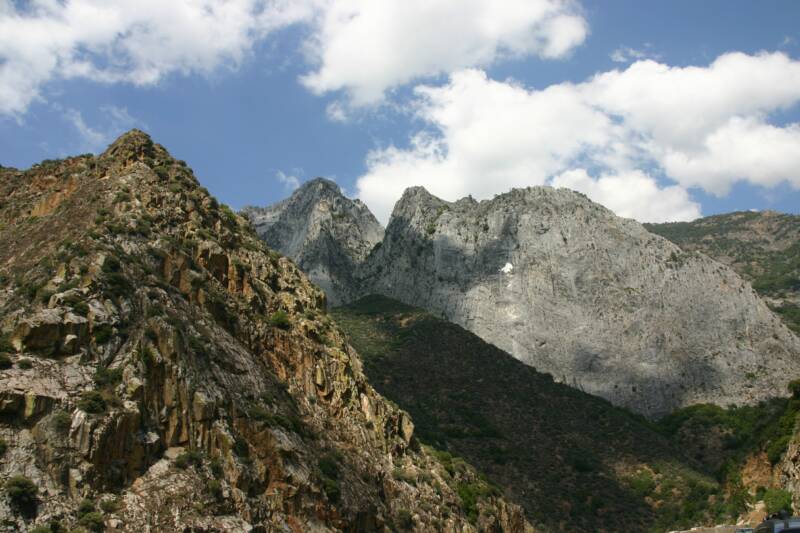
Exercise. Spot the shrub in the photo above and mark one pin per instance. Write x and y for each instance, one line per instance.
(41, 529)
(214, 488)
(216, 467)
(109, 505)
(5, 361)
(85, 507)
(22, 492)
(25, 364)
(62, 421)
(778, 500)
(240, 447)
(777, 447)
(102, 333)
(404, 519)
(3, 447)
(280, 319)
(5, 344)
(794, 388)
(107, 376)
(92, 402)
(189, 458)
(331, 488)
(93, 522)
(329, 466)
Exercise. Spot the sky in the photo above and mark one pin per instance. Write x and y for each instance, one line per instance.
(661, 111)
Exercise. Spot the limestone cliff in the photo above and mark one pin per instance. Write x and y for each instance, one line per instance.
(162, 370)
(564, 285)
(327, 234)
(596, 300)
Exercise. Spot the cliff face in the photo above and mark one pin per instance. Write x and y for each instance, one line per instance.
(324, 232)
(163, 370)
(564, 285)
(762, 247)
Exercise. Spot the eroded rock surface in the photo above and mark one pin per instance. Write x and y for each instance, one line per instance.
(327, 234)
(171, 370)
(566, 286)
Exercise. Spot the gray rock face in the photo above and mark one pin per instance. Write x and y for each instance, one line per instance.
(327, 234)
(565, 285)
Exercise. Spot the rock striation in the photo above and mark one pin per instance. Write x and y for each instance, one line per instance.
(596, 300)
(163, 370)
(327, 234)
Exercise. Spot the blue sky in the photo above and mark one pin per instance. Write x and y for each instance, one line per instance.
(251, 126)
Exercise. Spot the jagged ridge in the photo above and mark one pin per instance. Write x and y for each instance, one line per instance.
(149, 329)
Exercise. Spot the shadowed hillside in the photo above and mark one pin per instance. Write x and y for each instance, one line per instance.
(574, 461)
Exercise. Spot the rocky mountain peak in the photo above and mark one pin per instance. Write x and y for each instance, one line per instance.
(565, 285)
(161, 368)
(326, 233)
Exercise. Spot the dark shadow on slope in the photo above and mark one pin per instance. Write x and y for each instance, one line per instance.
(573, 461)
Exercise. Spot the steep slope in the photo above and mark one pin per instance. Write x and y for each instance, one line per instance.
(762, 247)
(327, 234)
(599, 302)
(574, 461)
(164, 371)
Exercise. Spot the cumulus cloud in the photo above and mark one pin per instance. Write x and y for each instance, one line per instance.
(120, 41)
(611, 136)
(632, 194)
(365, 47)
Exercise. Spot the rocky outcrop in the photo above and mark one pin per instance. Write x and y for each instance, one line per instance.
(327, 234)
(564, 285)
(169, 370)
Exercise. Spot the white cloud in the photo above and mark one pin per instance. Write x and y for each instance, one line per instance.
(115, 120)
(366, 47)
(121, 41)
(363, 47)
(706, 127)
(290, 182)
(632, 194)
(626, 54)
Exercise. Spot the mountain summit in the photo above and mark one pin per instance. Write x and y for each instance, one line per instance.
(596, 300)
(161, 369)
(326, 233)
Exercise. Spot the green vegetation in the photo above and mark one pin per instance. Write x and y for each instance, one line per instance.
(778, 500)
(5, 361)
(329, 467)
(62, 421)
(25, 364)
(109, 505)
(106, 377)
(189, 458)
(3, 447)
(92, 402)
(103, 333)
(5, 344)
(522, 430)
(214, 488)
(280, 319)
(22, 493)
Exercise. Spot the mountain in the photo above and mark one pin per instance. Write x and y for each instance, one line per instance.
(327, 234)
(573, 461)
(162, 370)
(563, 284)
(763, 247)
